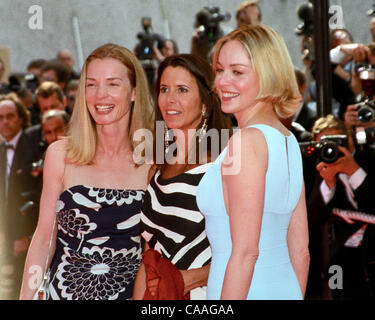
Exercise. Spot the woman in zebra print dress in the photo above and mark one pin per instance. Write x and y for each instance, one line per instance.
(170, 220)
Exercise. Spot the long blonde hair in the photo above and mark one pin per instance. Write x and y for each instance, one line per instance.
(82, 134)
(272, 64)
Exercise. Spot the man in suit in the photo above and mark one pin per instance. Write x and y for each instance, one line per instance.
(17, 187)
(341, 184)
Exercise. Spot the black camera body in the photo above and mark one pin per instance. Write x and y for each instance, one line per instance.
(208, 21)
(13, 86)
(32, 82)
(366, 108)
(37, 164)
(366, 111)
(326, 149)
(147, 41)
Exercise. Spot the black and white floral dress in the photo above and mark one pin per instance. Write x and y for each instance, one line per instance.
(98, 245)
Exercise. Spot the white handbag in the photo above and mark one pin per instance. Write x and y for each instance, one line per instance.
(42, 293)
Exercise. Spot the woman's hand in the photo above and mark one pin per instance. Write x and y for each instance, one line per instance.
(152, 285)
(193, 278)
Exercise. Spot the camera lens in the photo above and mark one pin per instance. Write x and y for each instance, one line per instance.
(329, 152)
(365, 113)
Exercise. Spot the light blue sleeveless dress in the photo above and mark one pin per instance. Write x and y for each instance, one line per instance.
(273, 277)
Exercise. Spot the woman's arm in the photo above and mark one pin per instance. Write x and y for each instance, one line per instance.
(140, 280)
(298, 242)
(195, 278)
(37, 255)
(244, 200)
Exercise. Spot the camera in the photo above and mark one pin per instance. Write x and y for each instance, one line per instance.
(13, 86)
(326, 149)
(37, 164)
(144, 49)
(366, 111)
(31, 81)
(366, 108)
(37, 168)
(366, 74)
(208, 21)
(27, 208)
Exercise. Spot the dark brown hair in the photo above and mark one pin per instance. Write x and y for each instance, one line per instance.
(22, 111)
(204, 77)
(48, 88)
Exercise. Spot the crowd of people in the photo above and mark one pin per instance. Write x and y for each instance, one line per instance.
(238, 190)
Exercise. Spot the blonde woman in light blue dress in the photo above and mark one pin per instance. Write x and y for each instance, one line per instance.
(253, 195)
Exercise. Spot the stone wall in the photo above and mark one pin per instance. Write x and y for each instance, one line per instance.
(118, 21)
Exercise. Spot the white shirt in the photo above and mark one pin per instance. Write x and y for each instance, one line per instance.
(351, 183)
(337, 55)
(10, 152)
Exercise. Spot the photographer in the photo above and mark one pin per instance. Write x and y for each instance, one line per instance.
(341, 185)
(208, 31)
(362, 84)
(148, 50)
(340, 38)
(16, 193)
(341, 92)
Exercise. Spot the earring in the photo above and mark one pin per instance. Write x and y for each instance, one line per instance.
(166, 139)
(203, 130)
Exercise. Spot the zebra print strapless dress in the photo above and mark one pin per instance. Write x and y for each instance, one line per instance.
(172, 224)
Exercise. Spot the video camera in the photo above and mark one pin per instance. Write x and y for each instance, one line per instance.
(305, 13)
(29, 81)
(366, 108)
(326, 149)
(14, 85)
(32, 81)
(207, 21)
(144, 49)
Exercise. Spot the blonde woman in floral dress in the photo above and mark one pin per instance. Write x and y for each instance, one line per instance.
(94, 186)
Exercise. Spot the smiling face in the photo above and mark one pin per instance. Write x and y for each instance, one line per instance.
(235, 80)
(179, 100)
(108, 91)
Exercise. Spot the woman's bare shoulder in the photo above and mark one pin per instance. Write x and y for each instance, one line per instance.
(248, 140)
(56, 152)
(59, 146)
